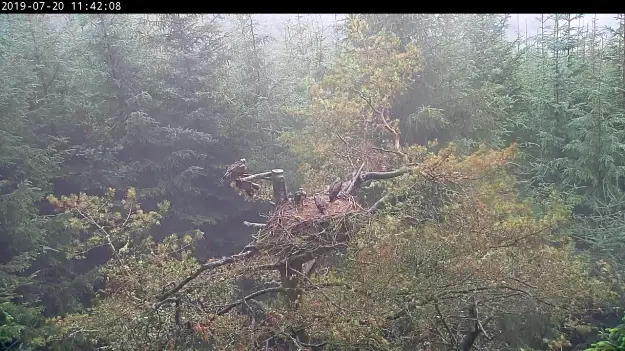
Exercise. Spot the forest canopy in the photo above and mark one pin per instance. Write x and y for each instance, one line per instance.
(389, 182)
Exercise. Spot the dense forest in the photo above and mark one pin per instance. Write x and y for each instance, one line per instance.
(390, 182)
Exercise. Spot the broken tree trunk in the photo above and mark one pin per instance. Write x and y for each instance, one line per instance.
(288, 270)
(279, 186)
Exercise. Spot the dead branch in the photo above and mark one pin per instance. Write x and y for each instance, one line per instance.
(392, 316)
(254, 225)
(247, 186)
(303, 257)
(478, 329)
(178, 313)
(258, 293)
(368, 176)
(388, 151)
(311, 268)
(361, 178)
(394, 131)
(204, 267)
(166, 301)
(445, 324)
(354, 182)
(263, 175)
(378, 204)
(349, 159)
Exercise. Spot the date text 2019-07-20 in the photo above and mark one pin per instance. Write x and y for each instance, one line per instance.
(60, 6)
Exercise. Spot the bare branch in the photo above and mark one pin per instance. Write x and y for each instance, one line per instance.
(263, 175)
(354, 182)
(444, 321)
(367, 176)
(254, 225)
(205, 267)
(392, 130)
(303, 257)
(349, 159)
(258, 293)
(388, 151)
(378, 204)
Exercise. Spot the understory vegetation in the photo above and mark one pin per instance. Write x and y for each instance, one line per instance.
(406, 182)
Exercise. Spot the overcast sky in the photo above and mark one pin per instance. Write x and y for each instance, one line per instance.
(531, 20)
(273, 23)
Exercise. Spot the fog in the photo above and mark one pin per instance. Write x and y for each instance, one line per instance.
(519, 24)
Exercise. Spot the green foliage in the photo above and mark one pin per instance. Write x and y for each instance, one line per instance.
(160, 104)
(570, 125)
(28, 165)
(350, 109)
(613, 339)
(90, 102)
(138, 268)
(468, 238)
(466, 86)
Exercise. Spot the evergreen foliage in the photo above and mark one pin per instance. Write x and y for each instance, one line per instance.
(516, 183)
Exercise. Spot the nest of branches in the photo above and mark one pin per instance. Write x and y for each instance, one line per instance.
(295, 228)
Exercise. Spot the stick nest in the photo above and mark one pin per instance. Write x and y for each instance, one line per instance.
(300, 228)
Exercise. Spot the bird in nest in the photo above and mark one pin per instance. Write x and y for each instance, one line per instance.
(321, 203)
(335, 189)
(299, 196)
(235, 170)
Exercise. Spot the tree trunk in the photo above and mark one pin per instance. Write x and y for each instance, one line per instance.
(279, 186)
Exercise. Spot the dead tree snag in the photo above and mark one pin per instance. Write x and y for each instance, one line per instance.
(279, 186)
